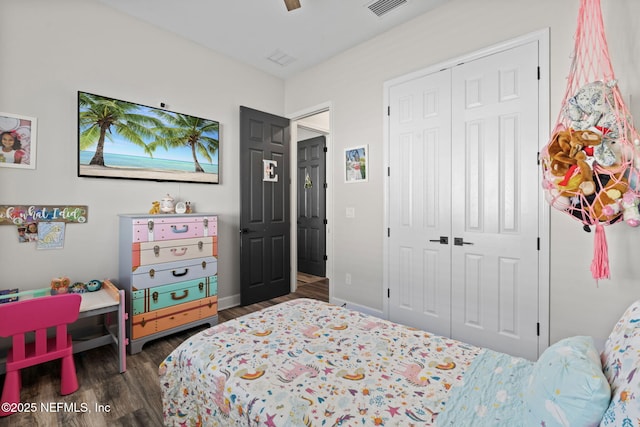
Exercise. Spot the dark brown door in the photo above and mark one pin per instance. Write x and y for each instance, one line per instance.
(312, 206)
(264, 206)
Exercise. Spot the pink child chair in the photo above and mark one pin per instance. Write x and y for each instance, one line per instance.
(36, 315)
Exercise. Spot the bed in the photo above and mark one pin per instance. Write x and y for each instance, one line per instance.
(310, 363)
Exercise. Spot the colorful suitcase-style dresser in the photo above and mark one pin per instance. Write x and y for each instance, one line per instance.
(168, 268)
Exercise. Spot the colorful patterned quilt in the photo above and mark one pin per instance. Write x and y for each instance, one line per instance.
(309, 363)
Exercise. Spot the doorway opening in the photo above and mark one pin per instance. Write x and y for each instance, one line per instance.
(311, 191)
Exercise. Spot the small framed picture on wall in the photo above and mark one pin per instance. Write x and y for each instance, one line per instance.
(17, 141)
(356, 164)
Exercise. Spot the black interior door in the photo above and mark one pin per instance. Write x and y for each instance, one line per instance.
(265, 267)
(311, 199)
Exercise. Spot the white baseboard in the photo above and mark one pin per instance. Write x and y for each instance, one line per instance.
(361, 308)
(228, 302)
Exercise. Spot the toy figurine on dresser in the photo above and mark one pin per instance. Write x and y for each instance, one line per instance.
(168, 268)
(166, 205)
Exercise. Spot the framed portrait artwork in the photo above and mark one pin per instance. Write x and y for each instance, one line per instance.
(18, 141)
(356, 164)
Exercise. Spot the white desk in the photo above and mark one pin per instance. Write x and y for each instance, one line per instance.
(104, 302)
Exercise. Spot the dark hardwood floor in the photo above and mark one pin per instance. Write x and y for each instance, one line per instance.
(107, 398)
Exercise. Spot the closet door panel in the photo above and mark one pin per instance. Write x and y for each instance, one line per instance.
(494, 201)
(419, 211)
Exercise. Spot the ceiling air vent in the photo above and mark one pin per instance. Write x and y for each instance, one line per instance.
(380, 7)
(281, 58)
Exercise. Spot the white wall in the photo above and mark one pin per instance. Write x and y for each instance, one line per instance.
(353, 83)
(49, 51)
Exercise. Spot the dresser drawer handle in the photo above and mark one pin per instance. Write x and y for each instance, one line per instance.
(201, 286)
(204, 264)
(152, 273)
(182, 251)
(156, 250)
(155, 296)
(183, 296)
(186, 270)
(150, 225)
(144, 322)
(184, 229)
(200, 245)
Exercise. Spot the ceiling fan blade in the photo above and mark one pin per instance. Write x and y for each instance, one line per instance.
(292, 4)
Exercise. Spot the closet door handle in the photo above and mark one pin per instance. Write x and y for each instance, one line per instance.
(458, 241)
(443, 240)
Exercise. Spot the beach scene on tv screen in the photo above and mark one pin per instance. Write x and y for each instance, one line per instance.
(120, 139)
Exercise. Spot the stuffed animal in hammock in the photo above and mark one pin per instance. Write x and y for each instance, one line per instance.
(591, 107)
(568, 151)
(607, 205)
(595, 195)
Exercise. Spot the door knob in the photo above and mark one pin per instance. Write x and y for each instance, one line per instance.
(443, 240)
(458, 241)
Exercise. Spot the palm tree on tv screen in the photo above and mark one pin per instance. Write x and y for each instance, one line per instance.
(100, 117)
(200, 135)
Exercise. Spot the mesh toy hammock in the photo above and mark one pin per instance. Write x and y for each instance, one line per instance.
(590, 165)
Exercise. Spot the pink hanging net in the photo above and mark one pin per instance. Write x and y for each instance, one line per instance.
(591, 163)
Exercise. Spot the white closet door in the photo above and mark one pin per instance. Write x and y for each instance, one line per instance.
(419, 198)
(494, 193)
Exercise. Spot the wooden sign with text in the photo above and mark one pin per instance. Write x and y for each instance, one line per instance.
(24, 214)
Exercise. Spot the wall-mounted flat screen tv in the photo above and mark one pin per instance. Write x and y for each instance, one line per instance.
(120, 139)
